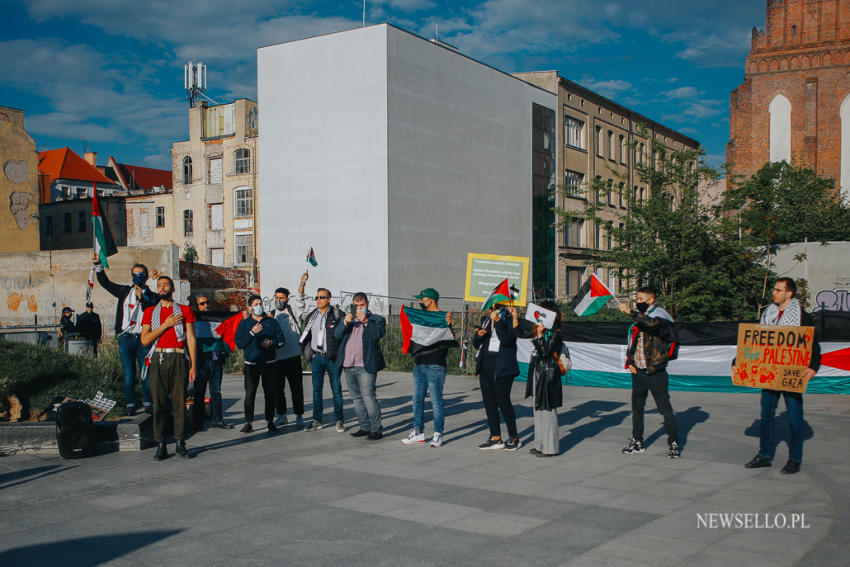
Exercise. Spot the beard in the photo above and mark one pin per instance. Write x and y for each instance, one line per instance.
(166, 296)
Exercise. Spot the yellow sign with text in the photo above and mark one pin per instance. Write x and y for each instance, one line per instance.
(773, 357)
(486, 271)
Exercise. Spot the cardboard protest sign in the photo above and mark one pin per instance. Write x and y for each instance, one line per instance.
(773, 357)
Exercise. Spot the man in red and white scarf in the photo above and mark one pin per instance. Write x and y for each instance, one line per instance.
(168, 328)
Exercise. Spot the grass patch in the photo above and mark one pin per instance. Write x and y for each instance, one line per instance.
(37, 374)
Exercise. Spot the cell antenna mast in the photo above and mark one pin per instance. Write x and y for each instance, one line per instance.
(194, 81)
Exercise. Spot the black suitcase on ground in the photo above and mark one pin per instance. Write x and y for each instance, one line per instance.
(74, 430)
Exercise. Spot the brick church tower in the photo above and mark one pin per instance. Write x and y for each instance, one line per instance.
(794, 103)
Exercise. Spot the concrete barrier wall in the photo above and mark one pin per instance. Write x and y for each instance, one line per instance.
(37, 285)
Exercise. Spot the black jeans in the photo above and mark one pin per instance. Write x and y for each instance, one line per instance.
(655, 383)
(254, 373)
(283, 371)
(497, 397)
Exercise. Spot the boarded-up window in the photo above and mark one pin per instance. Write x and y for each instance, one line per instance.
(217, 256)
(215, 171)
(217, 217)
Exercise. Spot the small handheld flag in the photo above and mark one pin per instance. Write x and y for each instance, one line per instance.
(311, 258)
(540, 315)
(422, 330)
(592, 297)
(502, 292)
(104, 244)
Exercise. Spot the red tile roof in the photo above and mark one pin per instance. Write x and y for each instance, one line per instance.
(145, 178)
(65, 164)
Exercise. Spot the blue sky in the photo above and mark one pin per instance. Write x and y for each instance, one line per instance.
(111, 71)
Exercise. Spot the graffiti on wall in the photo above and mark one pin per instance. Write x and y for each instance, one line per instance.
(16, 300)
(832, 300)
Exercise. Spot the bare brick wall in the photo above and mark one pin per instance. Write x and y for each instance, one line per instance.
(804, 54)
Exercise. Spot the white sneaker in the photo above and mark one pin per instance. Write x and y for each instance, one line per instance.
(414, 438)
(437, 440)
(340, 427)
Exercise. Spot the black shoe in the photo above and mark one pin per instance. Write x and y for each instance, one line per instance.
(376, 435)
(131, 410)
(271, 427)
(791, 467)
(221, 425)
(539, 454)
(361, 433)
(534, 451)
(673, 450)
(633, 447)
(492, 444)
(182, 450)
(161, 452)
(513, 444)
(247, 428)
(758, 462)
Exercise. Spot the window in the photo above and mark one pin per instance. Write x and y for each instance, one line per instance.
(66, 222)
(573, 235)
(597, 236)
(596, 185)
(217, 217)
(620, 190)
(572, 183)
(215, 171)
(243, 161)
(642, 152)
(243, 201)
(187, 170)
(160, 217)
(844, 115)
(624, 150)
(635, 194)
(780, 129)
(573, 280)
(598, 140)
(574, 130)
(187, 222)
(610, 190)
(612, 150)
(612, 276)
(81, 221)
(244, 248)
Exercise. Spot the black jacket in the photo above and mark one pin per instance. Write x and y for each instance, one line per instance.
(547, 391)
(250, 343)
(89, 326)
(506, 365)
(373, 357)
(66, 326)
(149, 297)
(334, 318)
(659, 335)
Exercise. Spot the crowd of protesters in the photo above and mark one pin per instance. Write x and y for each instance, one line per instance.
(158, 334)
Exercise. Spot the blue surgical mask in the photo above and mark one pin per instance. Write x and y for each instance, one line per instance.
(140, 279)
(258, 310)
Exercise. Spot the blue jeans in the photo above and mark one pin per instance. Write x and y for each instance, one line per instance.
(318, 366)
(131, 351)
(361, 386)
(794, 404)
(428, 377)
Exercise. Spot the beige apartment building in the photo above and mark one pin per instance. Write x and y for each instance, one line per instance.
(18, 184)
(597, 139)
(212, 205)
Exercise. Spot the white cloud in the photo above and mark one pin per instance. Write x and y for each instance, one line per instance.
(610, 88)
(681, 93)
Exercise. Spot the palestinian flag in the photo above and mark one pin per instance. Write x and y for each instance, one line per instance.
(104, 244)
(227, 330)
(592, 297)
(502, 292)
(311, 258)
(422, 330)
(540, 315)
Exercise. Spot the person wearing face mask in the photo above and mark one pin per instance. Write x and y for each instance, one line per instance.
(320, 347)
(132, 301)
(258, 336)
(168, 329)
(650, 344)
(286, 366)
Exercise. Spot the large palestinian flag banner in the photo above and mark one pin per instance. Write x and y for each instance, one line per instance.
(421, 330)
(598, 353)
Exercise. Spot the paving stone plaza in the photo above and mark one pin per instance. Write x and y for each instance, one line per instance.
(325, 498)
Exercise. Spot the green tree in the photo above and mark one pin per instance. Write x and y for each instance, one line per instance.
(190, 254)
(784, 203)
(675, 244)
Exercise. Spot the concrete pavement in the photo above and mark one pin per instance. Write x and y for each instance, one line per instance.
(325, 498)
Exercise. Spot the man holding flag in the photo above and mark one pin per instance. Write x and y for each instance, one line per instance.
(427, 336)
(132, 302)
(651, 339)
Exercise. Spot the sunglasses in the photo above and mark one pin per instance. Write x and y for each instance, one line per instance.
(203, 302)
(322, 297)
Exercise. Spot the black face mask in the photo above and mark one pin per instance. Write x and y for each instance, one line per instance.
(422, 306)
(642, 307)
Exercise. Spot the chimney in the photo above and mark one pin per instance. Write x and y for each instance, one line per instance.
(91, 157)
